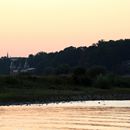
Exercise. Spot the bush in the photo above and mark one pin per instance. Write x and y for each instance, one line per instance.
(122, 82)
(11, 80)
(96, 71)
(80, 77)
(104, 81)
(79, 71)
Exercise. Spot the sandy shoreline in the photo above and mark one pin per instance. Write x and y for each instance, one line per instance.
(98, 103)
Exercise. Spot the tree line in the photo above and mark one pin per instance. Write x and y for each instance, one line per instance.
(113, 56)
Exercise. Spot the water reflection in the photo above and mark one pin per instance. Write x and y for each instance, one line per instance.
(74, 116)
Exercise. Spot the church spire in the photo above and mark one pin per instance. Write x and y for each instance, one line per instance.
(7, 55)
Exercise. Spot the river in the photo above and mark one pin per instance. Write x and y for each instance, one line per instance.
(89, 115)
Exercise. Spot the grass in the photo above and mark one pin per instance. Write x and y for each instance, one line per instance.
(20, 89)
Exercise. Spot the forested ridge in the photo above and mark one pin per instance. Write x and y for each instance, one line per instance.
(114, 56)
(98, 72)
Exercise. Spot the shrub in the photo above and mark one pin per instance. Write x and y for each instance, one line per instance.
(104, 81)
(79, 71)
(11, 80)
(96, 71)
(80, 77)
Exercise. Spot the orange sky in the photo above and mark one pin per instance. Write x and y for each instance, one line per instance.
(30, 26)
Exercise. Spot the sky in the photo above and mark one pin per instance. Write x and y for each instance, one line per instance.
(31, 26)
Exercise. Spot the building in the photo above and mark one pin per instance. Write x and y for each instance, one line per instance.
(16, 67)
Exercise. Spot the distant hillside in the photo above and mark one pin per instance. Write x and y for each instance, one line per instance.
(112, 55)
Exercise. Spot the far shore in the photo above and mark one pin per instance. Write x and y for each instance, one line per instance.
(17, 90)
(94, 98)
(88, 103)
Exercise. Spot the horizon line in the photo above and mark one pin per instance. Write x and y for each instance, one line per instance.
(7, 55)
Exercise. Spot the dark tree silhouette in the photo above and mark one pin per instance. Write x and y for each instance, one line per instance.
(112, 55)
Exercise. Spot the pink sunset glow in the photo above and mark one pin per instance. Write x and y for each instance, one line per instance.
(30, 26)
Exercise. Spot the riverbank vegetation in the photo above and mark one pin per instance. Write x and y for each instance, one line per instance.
(100, 71)
(94, 84)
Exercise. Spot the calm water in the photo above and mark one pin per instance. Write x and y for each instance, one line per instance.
(97, 115)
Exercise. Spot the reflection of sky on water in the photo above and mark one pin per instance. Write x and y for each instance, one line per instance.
(90, 115)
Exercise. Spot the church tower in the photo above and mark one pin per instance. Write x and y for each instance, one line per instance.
(7, 55)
